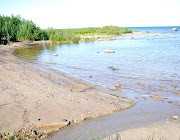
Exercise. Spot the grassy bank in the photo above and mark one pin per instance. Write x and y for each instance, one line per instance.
(14, 28)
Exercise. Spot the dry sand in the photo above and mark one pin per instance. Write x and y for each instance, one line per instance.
(32, 96)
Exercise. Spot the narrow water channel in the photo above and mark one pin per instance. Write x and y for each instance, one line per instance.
(143, 113)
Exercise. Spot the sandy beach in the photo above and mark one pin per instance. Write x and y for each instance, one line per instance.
(41, 99)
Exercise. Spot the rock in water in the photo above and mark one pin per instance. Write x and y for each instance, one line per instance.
(55, 54)
(118, 86)
(174, 29)
(175, 117)
(109, 51)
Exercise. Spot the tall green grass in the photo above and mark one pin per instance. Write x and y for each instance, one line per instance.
(14, 28)
(74, 35)
(60, 35)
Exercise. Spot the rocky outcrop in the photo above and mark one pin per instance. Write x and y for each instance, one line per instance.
(174, 29)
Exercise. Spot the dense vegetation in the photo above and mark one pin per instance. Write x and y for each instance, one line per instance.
(74, 35)
(14, 28)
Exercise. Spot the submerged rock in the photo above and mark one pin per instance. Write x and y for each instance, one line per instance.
(115, 69)
(174, 29)
(109, 51)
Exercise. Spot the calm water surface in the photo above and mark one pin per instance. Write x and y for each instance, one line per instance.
(143, 59)
(152, 60)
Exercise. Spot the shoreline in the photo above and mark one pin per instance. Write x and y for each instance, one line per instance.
(45, 100)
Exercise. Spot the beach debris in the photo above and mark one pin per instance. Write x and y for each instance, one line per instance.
(109, 51)
(155, 99)
(98, 52)
(174, 29)
(178, 93)
(55, 54)
(118, 86)
(58, 42)
(90, 76)
(162, 86)
(159, 38)
(64, 120)
(175, 117)
(174, 86)
(110, 66)
(39, 119)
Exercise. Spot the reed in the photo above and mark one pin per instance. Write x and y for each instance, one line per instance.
(14, 28)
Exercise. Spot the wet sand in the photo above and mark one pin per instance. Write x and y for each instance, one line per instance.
(164, 130)
(145, 115)
(34, 97)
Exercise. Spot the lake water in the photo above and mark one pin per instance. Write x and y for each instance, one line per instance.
(148, 68)
(146, 63)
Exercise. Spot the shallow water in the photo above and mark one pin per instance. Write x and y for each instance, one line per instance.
(148, 68)
(143, 113)
(145, 64)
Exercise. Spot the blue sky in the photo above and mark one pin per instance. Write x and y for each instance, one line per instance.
(95, 13)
